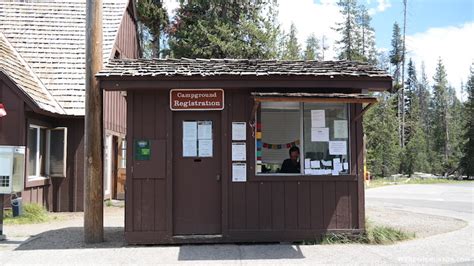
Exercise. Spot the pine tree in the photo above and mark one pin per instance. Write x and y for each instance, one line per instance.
(415, 151)
(440, 118)
(219, 29)
(292, 50)
(312, 48)
(467, 161)
(152, 14)
(367, 36)
(396, 53)
(349, 30)
(424, 99)
(380, 125)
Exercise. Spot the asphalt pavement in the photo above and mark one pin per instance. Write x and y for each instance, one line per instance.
(448, 208)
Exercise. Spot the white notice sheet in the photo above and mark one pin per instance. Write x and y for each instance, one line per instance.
(307, 163)
(340, 129)
(205, 148)
(189, 130)
(319, 134)
(315, 164)
(204, 130)
(239, 130)
(239, 151)
(345, 166)
(189, 148)
(239, 172)
(318, 118)
(337, 147)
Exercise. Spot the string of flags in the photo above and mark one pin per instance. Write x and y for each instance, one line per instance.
(271, 146)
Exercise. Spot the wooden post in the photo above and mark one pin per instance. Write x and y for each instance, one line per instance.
(93, 178)
(2, 236)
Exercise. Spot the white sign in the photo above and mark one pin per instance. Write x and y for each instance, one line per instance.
(239, 131)
(345, 166)
(204, 129)
(189, 148)
(205, 148)
(239, 172)
(189, 130)
(307, 163)
(315, 164)
(319, 134)
(326, 163)
(340, 129)
(318, 118)
(239, 151)
(337, 147)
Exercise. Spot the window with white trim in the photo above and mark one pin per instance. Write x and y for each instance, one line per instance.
(296, 138)
(47, 150)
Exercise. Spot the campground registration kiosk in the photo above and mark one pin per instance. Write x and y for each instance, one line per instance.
(206, 141)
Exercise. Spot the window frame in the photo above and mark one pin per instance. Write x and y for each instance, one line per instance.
(301, 147)
(37, 175)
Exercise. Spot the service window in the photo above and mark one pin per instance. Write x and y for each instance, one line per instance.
(57, 152)
(36, 152)
(294, 138)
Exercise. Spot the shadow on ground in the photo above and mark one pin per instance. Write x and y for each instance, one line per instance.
(72, 238)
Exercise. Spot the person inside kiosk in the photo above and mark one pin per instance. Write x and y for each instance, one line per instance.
(292, 165)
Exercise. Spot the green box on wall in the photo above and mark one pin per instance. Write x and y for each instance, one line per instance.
(142, 150)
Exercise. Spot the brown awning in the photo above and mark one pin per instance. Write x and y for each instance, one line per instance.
(313, 97)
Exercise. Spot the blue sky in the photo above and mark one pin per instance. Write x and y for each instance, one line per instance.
(435, 29)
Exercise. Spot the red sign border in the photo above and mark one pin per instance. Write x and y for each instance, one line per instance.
(217, 109)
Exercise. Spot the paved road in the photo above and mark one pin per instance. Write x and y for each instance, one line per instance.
(446, 200)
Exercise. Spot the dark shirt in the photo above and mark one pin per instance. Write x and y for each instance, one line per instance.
(289, 166)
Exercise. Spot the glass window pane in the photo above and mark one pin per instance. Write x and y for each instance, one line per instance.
(278, 130)
(326, 138)
(32, 150)
(57, 158)
(42, 152)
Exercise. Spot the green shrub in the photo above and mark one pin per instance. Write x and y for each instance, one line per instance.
(32, 213)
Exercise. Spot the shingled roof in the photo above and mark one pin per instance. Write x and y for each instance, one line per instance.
(237, 67)
(50, 37)
(12, 65)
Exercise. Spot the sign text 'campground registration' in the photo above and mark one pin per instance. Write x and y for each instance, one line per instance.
(196, 99)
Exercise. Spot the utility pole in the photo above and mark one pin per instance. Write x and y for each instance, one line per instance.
(93, 178)
(403, 74)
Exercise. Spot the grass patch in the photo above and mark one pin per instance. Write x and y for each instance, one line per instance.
(374, 235)
(32, 214)
(380, 182)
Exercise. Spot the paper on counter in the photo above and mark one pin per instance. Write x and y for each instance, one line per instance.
(340, 129)
(336, 160)
(337, 167)
(239, 130)
(326, 163)
(308, 172)
(315, 164)
(337, 147)
(345, 166)
(239, 151)
(318, 118)
(239, 172)
(307, 163)
(335, 172)
(319, 134)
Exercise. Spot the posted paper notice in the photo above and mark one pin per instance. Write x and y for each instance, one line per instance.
(204, 130)
(190, 130)
(239, 151)
(319, 134)
(239, 130)
(205, 148)
(337, 147)
(340, 129)
(318, 118)
(239, 172)
(189, 148)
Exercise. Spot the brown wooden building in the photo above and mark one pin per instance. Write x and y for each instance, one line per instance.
(42, 85)
(207, 138)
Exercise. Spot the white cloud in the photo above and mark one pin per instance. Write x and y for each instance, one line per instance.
(454, 44)
(310, 17)
(382, 5)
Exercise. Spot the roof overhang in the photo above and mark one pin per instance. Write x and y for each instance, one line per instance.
(131, 83)
(313, 97)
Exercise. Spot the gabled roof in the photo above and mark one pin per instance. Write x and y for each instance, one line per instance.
(238, 67)
(12, 65)
(50, 37)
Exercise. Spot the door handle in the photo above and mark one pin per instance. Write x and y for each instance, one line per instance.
(218, 177)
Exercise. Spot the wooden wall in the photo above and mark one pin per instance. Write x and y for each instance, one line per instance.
(269, 208)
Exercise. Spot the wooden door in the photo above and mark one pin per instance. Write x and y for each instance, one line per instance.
(196, 176)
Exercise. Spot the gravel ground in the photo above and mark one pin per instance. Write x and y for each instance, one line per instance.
(423, 225)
